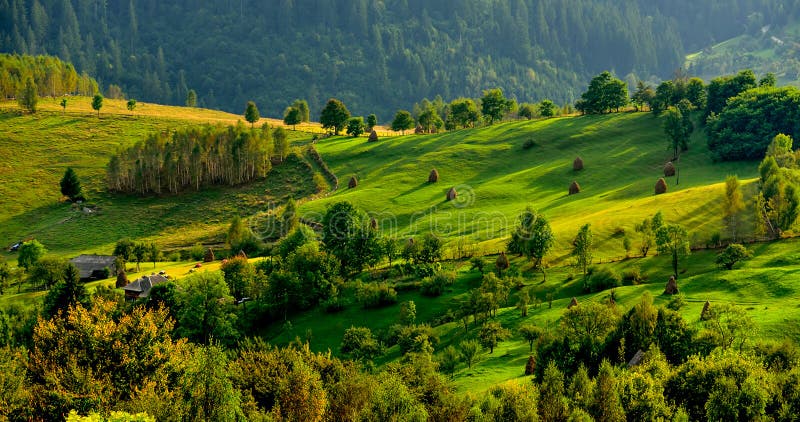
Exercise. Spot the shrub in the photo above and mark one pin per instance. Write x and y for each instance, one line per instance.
(574, 188)
(669, 169)
(436, 285)
(375, 295)
(409, 337)
(334, 304)
(174, 256)
(632, 275)
(433, 177)
(661, 186)
(577, 164)
(716, 239)
(197, 252)
(528, 144)
(603, 278)
(477, 263)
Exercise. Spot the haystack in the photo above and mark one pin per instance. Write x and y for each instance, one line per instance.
(706, 312)
(669, 169)
(373, 136)
(573, 302)
(452, 194)
(122, 280)
(502, 262)
(209, 256)
(530, 367)
(419, 130)
(672, 286)
(373, 223)
(577, 164)
(353, 182)
(574, 188)
(661, 186)
(241, 254)
(433, 177)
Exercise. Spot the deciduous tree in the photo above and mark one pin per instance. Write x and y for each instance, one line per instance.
(334, 115)
(402, 121)
(97, 103)
(251, 113)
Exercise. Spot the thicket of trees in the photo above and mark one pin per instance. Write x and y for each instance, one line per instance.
(51, 76)
(192, 158)
(400, 51)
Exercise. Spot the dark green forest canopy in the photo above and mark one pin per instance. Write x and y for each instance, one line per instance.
(375, 56)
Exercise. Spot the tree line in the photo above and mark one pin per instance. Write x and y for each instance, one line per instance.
(196, 157)
(51, 77)
(401, 51)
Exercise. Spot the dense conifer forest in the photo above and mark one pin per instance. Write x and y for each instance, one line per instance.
(376, 56)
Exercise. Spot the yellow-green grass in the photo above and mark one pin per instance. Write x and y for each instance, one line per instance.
(82, 106)
(36, 149)
(496, 178)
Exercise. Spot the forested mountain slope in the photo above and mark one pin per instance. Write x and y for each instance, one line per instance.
(376, 56)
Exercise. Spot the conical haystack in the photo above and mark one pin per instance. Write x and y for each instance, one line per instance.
(209, 256)
(669, 169)
(352, 183)
(502, 262)
(573, 302)
(661, 186)
(452, 194)
(705, 313)
(672, 286)
(577, 164)
(530, 367)
(574, 188)
(373, 136)
(122, 280)
(433, 177)
(373, 223)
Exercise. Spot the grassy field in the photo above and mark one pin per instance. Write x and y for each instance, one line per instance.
(496, 178)
(36, 149)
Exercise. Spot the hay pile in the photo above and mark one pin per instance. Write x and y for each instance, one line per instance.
(530, 367)
(573, 302)
(577, 164)
(452, 194)
(373, 223)
(661, 186)
(669, 169)
(705, 314)
(672, 286)
(502, 262)
(122, 280)
(373, 136)
(574, 188)
(209, 256)
(419, 130)
(433, 177)
(352, 183)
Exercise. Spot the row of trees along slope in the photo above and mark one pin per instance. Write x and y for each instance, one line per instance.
(196, 157)
(375, 56)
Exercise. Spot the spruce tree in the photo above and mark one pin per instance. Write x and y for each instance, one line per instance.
(70, 185)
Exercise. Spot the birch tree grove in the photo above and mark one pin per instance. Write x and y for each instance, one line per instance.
(191, 158)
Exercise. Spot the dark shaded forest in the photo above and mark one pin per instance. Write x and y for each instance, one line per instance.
(376, 56)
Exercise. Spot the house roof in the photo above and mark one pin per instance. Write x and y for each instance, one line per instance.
(140, 288)
(88, 264)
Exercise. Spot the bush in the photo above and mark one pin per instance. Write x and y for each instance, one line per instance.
(528, 144)
(375, 295)
(436, 285)
(334, 304)
(632, 275)
(174, 256)
(425, 270)
(603, 278)
(409, 337)
(197, 252)
(731, 255)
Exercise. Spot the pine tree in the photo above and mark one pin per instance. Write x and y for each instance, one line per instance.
(70, 185)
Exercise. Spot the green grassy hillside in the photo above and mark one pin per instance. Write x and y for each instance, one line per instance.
(496, 178)
(36, 149)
